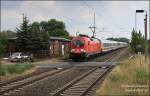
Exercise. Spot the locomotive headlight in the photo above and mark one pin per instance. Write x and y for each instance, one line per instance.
(72, 50)
(82, 50)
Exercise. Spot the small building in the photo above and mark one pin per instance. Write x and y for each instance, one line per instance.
(12, 45)
(59, 46)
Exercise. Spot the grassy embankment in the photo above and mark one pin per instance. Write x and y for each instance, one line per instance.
(129, 78)
(12, 70)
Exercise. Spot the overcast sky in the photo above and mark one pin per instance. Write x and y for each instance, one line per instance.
(113, 18)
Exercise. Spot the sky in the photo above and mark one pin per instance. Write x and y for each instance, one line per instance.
(113, 18)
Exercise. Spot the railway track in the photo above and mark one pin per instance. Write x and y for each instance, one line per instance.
(38, 71)
(46, 84)
(55, 82)
(82, 85)
(12, 85)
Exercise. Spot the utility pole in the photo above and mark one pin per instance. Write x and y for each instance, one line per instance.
(146, 41)
(145, 27)
(135, 22)
(93, 27)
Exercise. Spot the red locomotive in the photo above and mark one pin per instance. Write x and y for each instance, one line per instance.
(83, 46)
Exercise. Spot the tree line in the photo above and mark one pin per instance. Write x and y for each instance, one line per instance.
(122, 39)
(32, 37)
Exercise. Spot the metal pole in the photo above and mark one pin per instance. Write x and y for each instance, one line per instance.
(135, 22)
(146, 43)
(94, 26)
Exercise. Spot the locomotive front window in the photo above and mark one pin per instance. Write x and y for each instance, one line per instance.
(78, 43)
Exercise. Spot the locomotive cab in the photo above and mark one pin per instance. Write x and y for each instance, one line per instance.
(78, 48)
(84, 46)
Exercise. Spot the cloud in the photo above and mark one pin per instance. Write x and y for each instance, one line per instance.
(45, 4)
(77, 16)
(7, 16)
(39, 18)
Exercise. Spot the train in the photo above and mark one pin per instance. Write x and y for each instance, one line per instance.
(84, 47)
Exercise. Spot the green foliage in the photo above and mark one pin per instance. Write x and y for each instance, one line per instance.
(31, 38)
(4, 36)
(40, 37)
(14, 68)
(141, 75)
(137, 42)
(35, 37)
(55, 28)
(3, 45)
(23, 36)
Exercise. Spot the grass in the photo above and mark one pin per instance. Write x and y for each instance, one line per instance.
(141, 75)
(18, 68)
(129, 78)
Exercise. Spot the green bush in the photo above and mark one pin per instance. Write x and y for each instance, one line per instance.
(14, 68)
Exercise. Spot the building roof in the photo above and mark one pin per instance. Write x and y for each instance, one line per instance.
(60, 39)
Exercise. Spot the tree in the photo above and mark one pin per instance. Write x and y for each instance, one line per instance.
(40, 39)
(35, 37)
(4, 36)
(31, 38)
(137, 41)
(55, 28)
(24, 36)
